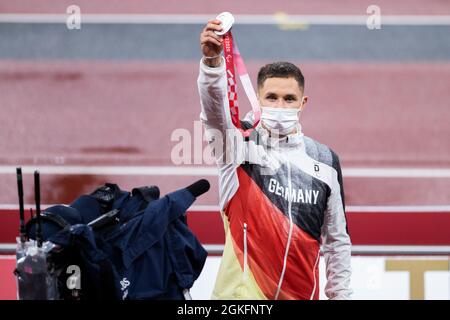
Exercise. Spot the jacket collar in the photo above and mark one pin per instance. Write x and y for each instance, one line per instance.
(289, 141)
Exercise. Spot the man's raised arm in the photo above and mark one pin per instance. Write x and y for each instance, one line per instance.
(212, 85)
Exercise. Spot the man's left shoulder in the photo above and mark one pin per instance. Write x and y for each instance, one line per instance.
(321, 152)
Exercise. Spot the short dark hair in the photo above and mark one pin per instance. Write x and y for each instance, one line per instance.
(280, 69)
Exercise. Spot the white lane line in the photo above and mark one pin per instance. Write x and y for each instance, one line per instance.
(204, 208)
(397, 172)
(215, 209)
(369, 249)
(399, 209)
(115, 170)
(274, 19)
(8, 248)
(9, 207)
(212, 171)
(366, 249)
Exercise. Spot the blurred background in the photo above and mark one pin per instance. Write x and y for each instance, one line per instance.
(99, 98)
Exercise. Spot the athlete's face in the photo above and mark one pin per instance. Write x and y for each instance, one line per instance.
(281, 93)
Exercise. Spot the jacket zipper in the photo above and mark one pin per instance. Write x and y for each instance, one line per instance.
(314, 275)
(245, 272)
(291, 227)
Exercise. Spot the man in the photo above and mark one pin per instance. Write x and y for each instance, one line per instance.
(282, 195)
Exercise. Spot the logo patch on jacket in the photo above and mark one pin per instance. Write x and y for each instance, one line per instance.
(295, 195)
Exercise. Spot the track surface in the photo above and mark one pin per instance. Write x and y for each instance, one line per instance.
(108, 113)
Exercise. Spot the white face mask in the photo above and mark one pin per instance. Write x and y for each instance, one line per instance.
(280, 120)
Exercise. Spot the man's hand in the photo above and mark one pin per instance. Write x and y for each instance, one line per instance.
(211, 43)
